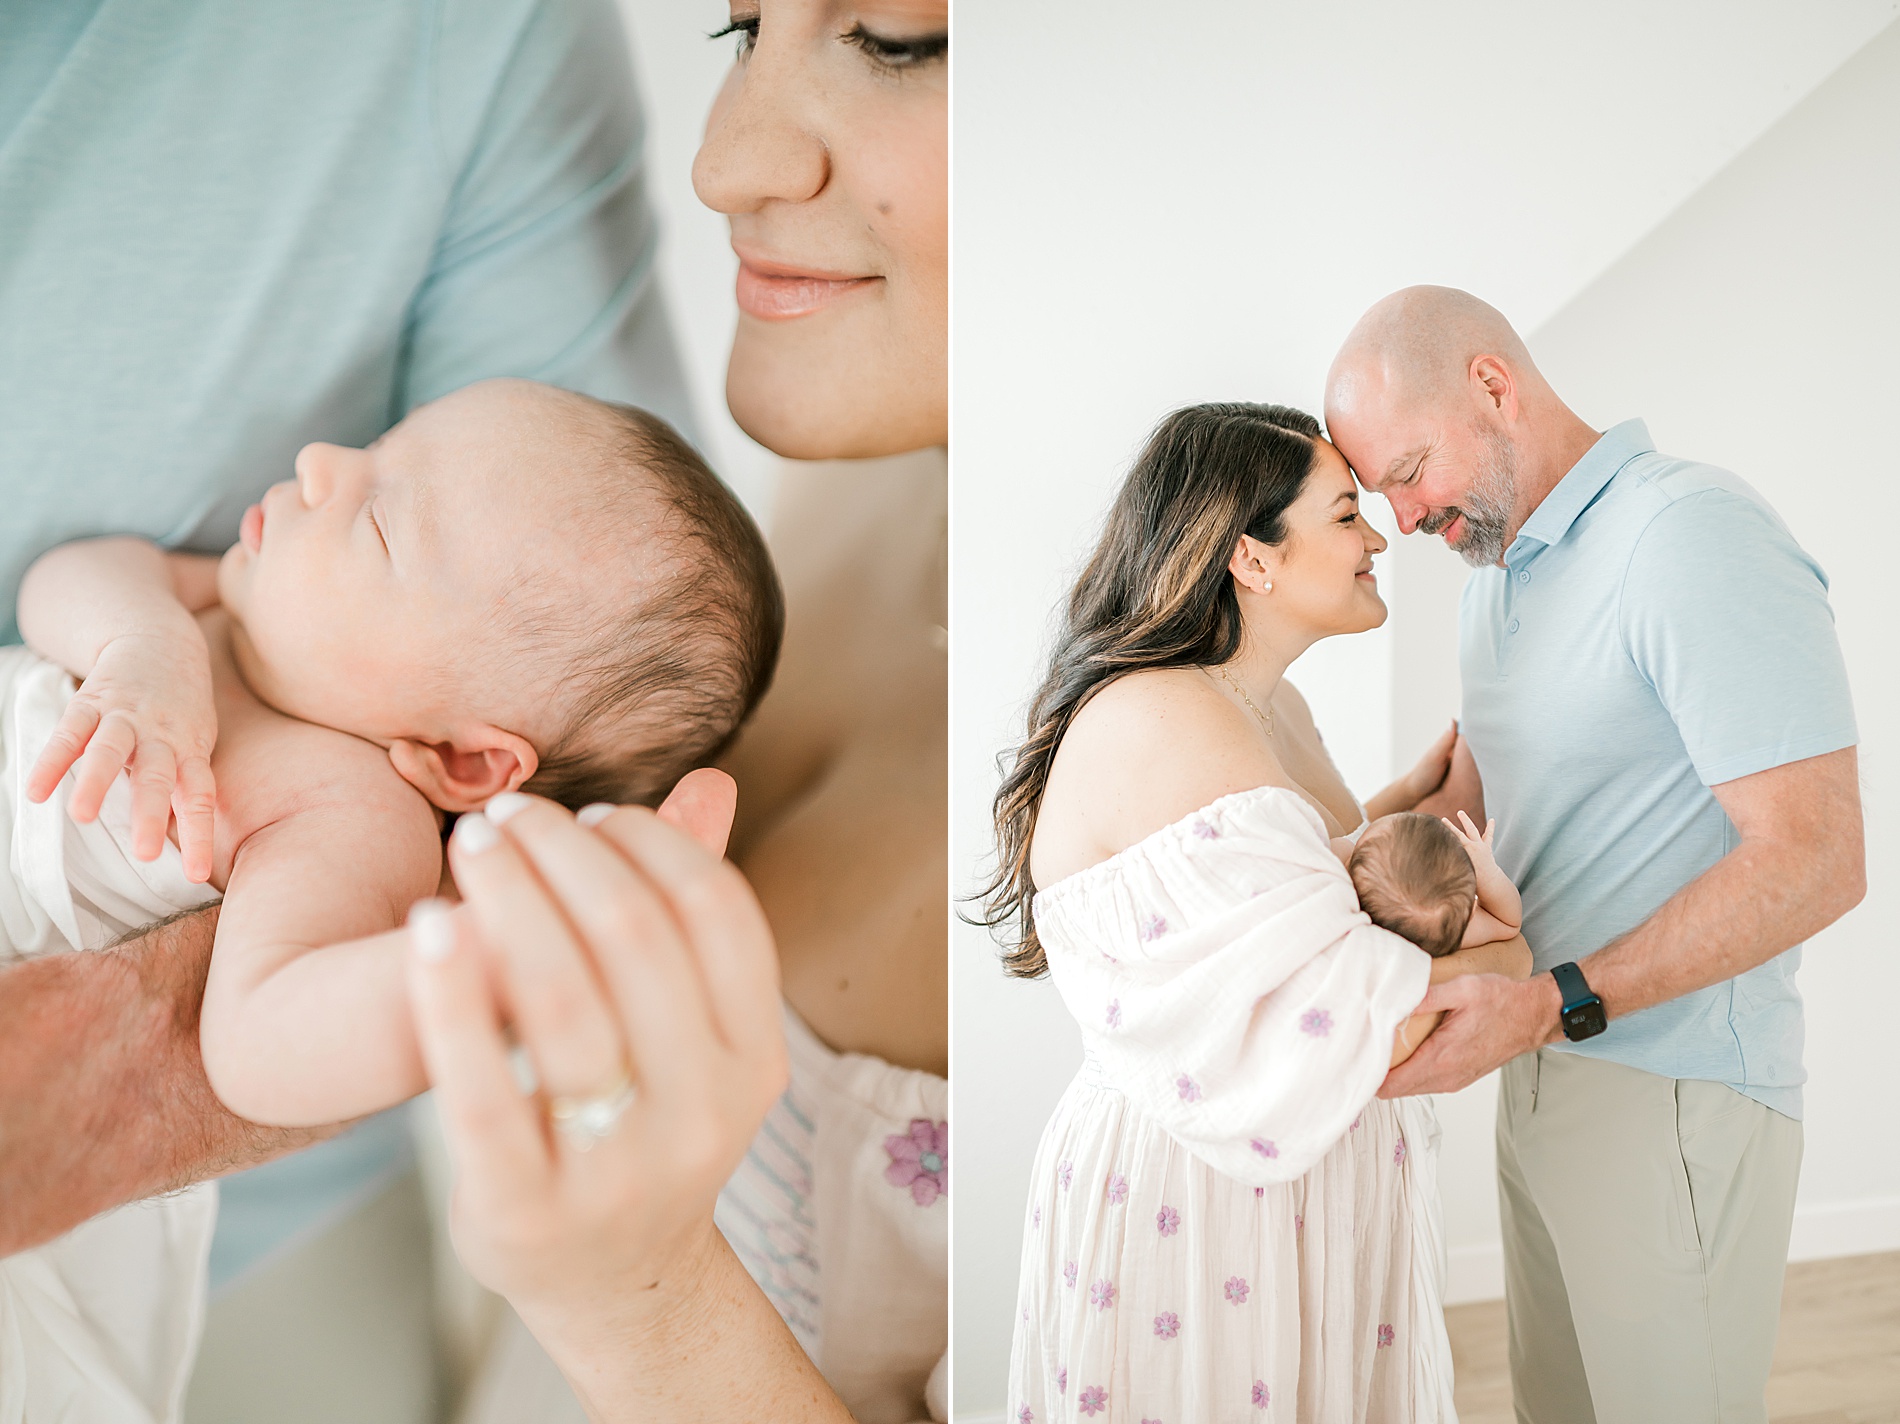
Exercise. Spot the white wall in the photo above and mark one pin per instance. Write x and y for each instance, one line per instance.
(1156, 206)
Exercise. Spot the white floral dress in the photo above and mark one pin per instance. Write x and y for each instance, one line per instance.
(1224, 1222)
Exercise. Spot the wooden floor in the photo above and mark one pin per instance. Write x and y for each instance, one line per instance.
(1837, 1360)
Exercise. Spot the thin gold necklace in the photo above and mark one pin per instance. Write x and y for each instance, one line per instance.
(1266, 718)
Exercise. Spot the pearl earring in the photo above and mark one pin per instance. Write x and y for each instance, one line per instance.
(1266, 588)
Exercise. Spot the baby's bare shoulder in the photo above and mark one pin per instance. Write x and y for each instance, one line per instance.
(273, 769)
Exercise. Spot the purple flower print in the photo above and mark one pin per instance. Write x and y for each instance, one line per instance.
(1069, 1274)
(1355, 1124)
(1117, 1190)
(1035, 1218)
(1152, 928)
(920, 1160)
(1025, 1415)
(1189, 1090)
(1062, 1380)
(1262, 1396)
(1114, 1014)
(1398, 1153)
(1167, 1221)
(1206, 831)
(1092, 1400)
(1167, 1325)
(1146, 1420)
(1316, 1022)
(1065, 1173)
(1264, 1146)
(1237, 1290)
(1102, 1294)
(1299, 1224)
(1385, 1336)
(1259, 1192)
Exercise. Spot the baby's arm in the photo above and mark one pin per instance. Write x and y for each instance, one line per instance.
(306, 1015)
(117, 613)
(1500, 910)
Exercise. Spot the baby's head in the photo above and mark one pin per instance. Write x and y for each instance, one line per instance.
(1415, 879)
(515, 586)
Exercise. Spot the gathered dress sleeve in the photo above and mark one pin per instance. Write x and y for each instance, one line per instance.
(1229, 985)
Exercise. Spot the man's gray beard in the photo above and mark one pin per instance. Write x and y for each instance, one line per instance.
(1487, 505)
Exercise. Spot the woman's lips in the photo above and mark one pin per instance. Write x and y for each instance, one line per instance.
(251, 528)
(782, 294)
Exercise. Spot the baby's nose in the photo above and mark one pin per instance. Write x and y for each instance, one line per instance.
(315, 477)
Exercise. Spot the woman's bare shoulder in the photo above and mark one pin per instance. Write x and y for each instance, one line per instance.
(1145, 751)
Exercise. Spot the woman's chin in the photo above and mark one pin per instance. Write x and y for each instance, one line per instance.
(789, 390)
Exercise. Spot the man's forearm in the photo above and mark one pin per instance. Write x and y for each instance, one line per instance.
(1731, 918)
(103, 1099)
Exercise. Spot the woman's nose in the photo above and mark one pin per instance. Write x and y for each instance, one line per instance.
(762, 140)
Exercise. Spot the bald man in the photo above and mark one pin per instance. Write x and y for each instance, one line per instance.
(1657, 706)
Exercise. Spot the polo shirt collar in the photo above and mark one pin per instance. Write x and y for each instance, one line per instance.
(1575, 492)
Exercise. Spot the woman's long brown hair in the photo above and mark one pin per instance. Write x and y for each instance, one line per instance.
(1156, 593)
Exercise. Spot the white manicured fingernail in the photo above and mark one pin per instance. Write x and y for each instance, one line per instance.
(521, 1066)
(593, 815)
(430, 927)
(475, 834)
(509, 804)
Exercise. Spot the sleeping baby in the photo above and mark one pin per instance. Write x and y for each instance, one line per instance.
(1434, 883)
(516, 587)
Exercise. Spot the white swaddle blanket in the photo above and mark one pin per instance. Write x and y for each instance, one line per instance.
(99, 1326)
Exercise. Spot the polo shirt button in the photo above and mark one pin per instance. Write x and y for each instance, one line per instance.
(1513, 627)
(1524, 576)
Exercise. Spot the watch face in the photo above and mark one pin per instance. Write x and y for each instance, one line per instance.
(1584, 1021)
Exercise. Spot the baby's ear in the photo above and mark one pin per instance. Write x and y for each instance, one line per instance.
(464, 775)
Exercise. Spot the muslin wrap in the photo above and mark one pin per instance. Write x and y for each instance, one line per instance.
(100, 1325)
(1224, 1221)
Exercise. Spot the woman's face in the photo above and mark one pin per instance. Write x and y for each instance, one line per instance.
(1321, 572)
(827, 148)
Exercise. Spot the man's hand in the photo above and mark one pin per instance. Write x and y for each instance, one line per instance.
(1461, 790)
(1488, 1021)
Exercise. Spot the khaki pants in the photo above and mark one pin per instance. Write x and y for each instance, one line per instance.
(1646, 1226)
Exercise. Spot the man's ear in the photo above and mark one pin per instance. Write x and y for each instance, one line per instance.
(1495, 385)
(1252, 564)
(464, 775)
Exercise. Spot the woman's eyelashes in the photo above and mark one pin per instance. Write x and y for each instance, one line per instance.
(884, 52)
(896, 54)
(746, 27)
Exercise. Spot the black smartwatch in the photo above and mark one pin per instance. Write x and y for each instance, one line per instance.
(1583, 1010)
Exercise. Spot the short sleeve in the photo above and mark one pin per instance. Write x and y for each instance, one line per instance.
(1728, 620)
(545, 266)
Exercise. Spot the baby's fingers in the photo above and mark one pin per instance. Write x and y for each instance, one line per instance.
(69, 739)
(154, 774)
(106, 755)
(1471, 830)
(195, 803)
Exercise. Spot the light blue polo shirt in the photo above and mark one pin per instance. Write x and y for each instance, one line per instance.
(230, 227)
(1654, 631)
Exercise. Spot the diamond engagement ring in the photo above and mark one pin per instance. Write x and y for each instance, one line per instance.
(586, 1121)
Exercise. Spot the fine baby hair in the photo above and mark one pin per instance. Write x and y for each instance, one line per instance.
(659, 680)
(1415, 878)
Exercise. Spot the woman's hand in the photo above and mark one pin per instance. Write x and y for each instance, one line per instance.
(642, 984)
(145, 708)
(1426, 778)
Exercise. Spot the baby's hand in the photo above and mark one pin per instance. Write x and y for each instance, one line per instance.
(1476, 843)
(1496, 893)
(146, 708)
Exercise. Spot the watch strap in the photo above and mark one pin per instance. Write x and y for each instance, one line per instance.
(1572, 985)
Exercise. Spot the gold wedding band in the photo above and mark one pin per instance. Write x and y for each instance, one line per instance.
(586, 1120)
